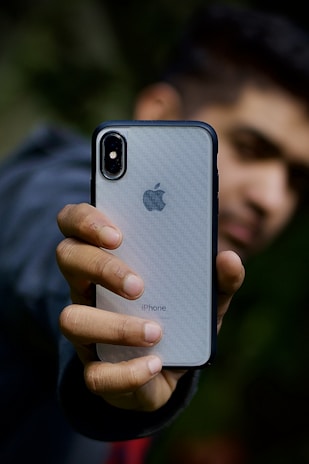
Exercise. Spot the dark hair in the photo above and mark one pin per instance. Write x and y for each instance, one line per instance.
(226, 46)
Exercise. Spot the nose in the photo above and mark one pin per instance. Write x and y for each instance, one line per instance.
(268, 187)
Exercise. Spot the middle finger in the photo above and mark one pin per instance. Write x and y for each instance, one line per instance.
(79, 260)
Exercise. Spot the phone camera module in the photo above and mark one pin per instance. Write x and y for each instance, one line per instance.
(113, 156)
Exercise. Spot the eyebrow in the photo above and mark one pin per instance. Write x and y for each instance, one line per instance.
(265, 141)
(267, 145)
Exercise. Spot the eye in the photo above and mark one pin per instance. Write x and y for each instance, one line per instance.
(246, 149)
(251, 146)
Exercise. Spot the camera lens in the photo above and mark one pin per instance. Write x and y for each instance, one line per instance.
(113, 152)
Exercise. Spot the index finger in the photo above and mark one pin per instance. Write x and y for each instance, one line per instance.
(87, 223)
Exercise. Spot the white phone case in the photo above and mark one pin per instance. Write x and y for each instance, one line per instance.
(165, 203)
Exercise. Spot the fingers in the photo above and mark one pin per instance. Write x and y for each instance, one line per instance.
(86, 325)
(138, 384)
(125, 377)
(82, 263)
(231, 274)
(86, 223)
(124, 384)
(83, 260)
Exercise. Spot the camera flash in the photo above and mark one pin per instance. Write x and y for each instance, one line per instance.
(113, 155)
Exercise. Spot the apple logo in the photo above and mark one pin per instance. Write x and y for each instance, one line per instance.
(153, 199)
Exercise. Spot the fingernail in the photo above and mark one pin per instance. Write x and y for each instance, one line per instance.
(133, 285)
(152, 332)
(154, 365)
(110, 235)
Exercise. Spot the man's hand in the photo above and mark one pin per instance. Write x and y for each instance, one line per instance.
(84, 259)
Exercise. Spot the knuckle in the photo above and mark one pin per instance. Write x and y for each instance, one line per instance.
(63, 211)
(123, 328)
(104, 378)
(87, 218)
(64, 251)
(108, 266)
(134, 378)
(91, 379)
(67, 318)
(63, 214)
(101, 263)
(60, 249)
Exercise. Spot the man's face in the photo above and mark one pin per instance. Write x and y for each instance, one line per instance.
(263, 165)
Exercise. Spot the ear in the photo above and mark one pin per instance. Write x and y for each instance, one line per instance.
(158, 101)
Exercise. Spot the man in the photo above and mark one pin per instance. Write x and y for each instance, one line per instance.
(235, 73)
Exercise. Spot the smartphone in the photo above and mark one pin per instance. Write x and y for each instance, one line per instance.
(158, 182)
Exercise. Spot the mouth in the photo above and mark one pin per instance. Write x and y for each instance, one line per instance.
(239, 234)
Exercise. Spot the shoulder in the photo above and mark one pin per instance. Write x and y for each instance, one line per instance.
(46, 166)
(50, 169)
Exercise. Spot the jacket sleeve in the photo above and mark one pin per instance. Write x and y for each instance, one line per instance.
(94, 418)
(50, 170)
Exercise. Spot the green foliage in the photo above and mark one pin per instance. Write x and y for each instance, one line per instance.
(80, 62)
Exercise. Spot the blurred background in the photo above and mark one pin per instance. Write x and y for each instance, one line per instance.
(80, 62)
